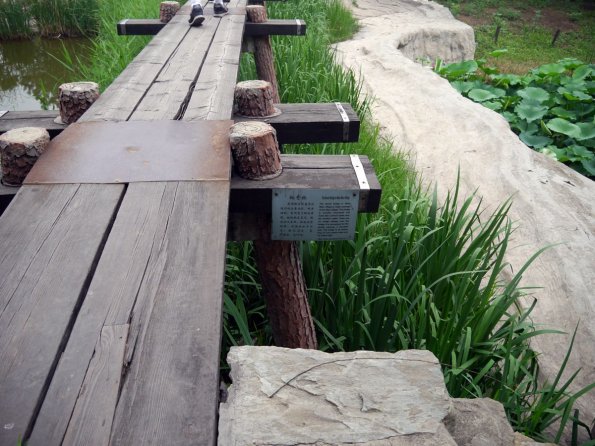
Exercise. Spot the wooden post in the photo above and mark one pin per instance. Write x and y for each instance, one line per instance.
(254, 99)
(278, 262)
(167, 10)
(263, 53)
(19, 149)
(75, 99)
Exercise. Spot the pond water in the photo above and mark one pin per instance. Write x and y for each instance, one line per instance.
(31, 74)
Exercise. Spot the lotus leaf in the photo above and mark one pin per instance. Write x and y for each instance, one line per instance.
(537, 94)
(560, 125)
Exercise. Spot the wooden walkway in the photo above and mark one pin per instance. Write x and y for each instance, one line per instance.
(110, 294)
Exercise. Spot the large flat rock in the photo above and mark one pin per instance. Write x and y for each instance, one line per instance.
(552, 205)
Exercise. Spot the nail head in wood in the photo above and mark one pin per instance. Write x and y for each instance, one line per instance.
(19, 149)
(167, 10)
(255, 150)
(75, 99)
(254, 98)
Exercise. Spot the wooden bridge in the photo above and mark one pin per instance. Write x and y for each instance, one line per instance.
(112, 255)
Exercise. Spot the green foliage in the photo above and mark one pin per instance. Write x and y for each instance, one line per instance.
(48, 18)
(551, 108)
(14, 20)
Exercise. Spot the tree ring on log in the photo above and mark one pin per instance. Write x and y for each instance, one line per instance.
(255, 150)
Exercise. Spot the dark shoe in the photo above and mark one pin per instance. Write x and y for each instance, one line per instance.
(196, 16)
(220, 10)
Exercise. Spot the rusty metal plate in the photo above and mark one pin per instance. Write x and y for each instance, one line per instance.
(136, 151)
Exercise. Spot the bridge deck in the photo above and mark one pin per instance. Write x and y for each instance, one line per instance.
(110, 294)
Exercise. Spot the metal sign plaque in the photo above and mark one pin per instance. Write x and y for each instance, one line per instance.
(314, 214)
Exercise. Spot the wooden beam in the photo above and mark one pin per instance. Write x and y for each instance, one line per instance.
(332, 172)
(150, 27)
(297, 123)
(10, 120)
(313, 123)
(273, 27)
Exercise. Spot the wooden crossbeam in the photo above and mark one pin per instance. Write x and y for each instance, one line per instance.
(150, 27)
(297, 123)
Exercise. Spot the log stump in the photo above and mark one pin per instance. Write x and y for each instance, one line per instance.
(75, 99)
(19, 149)
(255, 150)
(279, 265)
(263, 52)
(167, 10)
(254, 99)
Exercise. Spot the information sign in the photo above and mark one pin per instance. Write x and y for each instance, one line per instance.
(314, 214)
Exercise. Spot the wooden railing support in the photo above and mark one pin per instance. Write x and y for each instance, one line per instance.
(263, 52)
(278, 262)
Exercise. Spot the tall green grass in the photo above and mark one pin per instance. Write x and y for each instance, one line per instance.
(48, 18)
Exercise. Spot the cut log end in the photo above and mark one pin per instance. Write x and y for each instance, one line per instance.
(255, 98)
(255, 150)
(167, 10)
(75, 99)
(19, 149)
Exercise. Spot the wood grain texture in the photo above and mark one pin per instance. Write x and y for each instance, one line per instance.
(312, 123)
(135, 237)
(333, 172)
(42, 285)
(120, 99)
(212, 97)
(170, 392)
(37, 118)
(91, 421)
(276, 27)
(178, 74)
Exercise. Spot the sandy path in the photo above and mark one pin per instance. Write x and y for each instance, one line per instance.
(443, 130)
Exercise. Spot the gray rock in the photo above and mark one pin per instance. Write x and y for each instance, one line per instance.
(521, 440)
(292, 397)
(479, 422)
(418, 29)
(552, 204)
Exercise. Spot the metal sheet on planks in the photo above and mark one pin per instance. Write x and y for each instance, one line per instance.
(136, 151)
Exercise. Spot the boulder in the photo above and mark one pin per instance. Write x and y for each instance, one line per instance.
(447, 135)
(297, 397)
(420, 29)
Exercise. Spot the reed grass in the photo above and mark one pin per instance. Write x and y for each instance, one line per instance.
(14, 20)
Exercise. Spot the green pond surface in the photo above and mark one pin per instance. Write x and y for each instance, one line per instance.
(31, 71)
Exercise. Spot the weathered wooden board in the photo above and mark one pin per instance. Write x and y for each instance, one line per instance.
(37, 118)
(212, 96)
(91, 421)
(120, 99)
(168, 92)
(306, 172)
(170, 392)
(313, 123)
(273, 27)
(49, 244)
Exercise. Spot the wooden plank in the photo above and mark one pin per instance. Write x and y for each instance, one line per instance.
(120, 99)
(212, 97)
(37, 118)
(313, 123)
(273, 27)
(49, 245)
(170, 392)
(136, 237)
(306, 172)
(91, 422)
(164, 97)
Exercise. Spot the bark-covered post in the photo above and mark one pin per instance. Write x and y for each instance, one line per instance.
(19, 149)
(167, 10)
(263, 52)
(257, 156)
(75, 99)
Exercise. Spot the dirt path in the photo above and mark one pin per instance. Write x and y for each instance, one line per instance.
(444, 131)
